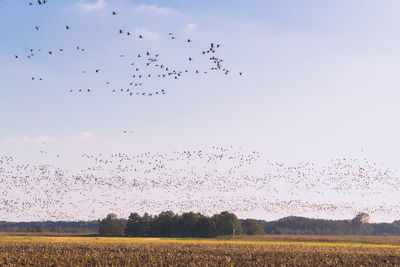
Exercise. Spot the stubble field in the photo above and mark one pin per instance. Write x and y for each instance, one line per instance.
(255, 251)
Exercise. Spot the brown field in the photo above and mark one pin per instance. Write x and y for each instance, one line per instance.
(385, 240)
(242, 251)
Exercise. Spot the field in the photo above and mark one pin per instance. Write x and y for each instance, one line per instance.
(242, 251)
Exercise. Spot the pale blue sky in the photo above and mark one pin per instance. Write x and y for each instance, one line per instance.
(320, 79)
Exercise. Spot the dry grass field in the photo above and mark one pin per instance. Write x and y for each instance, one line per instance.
(384, 240)
(242, 251)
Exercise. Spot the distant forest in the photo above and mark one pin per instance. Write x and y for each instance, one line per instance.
(169, 224)
(51, 226)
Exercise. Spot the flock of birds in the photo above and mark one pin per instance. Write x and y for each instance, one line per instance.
(146, 67)
(192, 180)
(38, 2)
(219, 178)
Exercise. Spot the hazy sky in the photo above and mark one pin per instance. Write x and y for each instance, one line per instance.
(320, 79)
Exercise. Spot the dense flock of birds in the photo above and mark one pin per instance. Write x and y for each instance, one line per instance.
(146, 66)
(217, 179)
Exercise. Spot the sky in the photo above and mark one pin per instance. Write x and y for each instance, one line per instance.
(320, 81)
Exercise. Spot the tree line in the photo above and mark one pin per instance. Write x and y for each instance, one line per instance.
(169, 224)
(359, 225)
(50, 226)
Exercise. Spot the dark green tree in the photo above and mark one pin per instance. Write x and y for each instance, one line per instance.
(206, 227)
(227, 224)
(251, 227)
(138, 226)
(188, 224)
(133, 225)
(146, 221)
(164, 225)
(111, 226)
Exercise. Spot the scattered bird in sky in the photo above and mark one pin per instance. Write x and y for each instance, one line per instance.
(155, 68)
